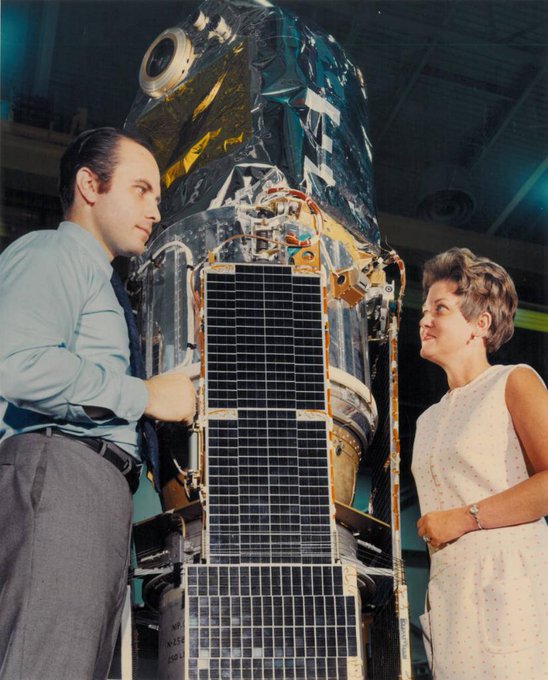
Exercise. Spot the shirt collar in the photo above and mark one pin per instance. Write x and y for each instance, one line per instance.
(88, 242)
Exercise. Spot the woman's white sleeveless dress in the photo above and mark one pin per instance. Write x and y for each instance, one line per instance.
(487, 604)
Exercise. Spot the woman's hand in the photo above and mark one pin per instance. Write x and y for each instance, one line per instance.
(443, 526)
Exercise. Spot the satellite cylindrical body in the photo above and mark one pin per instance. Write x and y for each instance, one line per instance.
(259, 126)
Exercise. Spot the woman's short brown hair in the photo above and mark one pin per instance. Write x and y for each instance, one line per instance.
(484, 286)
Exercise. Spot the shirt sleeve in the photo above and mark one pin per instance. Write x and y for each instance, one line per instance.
(42, 294)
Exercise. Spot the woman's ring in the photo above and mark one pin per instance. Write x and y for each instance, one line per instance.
(426, 539)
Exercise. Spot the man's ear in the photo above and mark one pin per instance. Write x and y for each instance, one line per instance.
(86, 185)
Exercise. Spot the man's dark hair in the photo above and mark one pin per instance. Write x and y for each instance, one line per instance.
(96, 150)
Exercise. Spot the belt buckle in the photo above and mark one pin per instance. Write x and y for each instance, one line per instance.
(127, 467)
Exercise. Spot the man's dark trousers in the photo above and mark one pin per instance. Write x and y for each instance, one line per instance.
(65, 520)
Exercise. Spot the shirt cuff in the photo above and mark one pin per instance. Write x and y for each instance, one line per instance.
(134, 398)
(128, 406)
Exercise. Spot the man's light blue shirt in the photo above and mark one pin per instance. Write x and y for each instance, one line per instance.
(64, 349)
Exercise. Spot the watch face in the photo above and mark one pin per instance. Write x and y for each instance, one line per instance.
(474, 511)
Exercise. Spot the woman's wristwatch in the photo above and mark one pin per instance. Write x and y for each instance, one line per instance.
(474, 511)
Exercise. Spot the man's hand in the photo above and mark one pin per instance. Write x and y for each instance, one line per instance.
(171, 398)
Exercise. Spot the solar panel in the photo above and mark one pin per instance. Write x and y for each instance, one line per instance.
(269, 498)
(267, 463)
(265, 339)
(270, 602)
(282, 621)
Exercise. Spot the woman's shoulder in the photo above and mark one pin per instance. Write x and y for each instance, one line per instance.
(429, 413)
(519, 387)
(510, 373)
(522, 379)
(516, 375)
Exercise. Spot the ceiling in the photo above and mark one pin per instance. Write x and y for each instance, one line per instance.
(458, 96)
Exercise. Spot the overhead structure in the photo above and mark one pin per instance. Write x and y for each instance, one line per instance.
(266, 283)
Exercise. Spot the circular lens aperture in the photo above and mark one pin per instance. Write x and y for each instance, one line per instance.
(160, 57)
(166, 62)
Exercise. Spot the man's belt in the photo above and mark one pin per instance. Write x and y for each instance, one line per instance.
(121, 460)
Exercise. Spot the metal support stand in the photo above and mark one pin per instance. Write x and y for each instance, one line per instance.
(400, 587)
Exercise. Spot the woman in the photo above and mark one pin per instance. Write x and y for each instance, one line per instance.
(480, 462)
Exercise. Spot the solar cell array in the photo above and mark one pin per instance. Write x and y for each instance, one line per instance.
(282, 622)
(267, 470)
(268, 489)
(270, 602)
(265, 339)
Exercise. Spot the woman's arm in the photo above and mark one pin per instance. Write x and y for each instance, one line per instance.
(527, 402)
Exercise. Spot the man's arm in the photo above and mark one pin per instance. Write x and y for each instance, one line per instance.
(41, 298)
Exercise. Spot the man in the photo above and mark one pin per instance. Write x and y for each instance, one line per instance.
(69, 408)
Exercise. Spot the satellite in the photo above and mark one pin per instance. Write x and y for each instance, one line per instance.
(266, 282)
